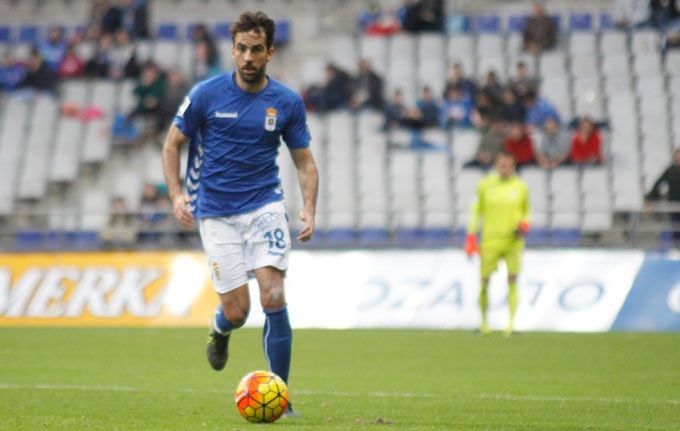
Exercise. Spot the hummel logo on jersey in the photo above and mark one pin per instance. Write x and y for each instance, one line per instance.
(226, 114)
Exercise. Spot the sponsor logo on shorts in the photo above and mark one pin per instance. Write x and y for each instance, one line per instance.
(267, 221)
(215, 268)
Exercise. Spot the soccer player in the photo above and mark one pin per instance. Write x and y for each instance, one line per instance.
(234, 123)
(502, 206)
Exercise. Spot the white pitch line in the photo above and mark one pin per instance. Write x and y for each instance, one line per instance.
(406, 395)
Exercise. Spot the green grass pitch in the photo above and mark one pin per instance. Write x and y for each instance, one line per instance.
(158, 379)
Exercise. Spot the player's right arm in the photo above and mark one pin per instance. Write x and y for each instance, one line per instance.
(476, 216)
(180, 200)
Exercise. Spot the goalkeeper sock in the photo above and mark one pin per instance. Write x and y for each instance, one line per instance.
(512, 300)
(484, 300)
(278, 341)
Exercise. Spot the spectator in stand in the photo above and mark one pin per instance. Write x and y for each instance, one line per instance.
(121, 230)
(422, 15)
(663, 13)
(514, 110)
(12, 72)
(458, 78)
(98, 9)
(203, 67)
(109, 19)
(153, 215)
(98, 66)
(519, 143)
(337, 90)
(492, 87)
(367, 88)
(54, 48)
(395, 110)
(491, 143)
(206, 62)
(553, 145)
(428, 108)
(628, 14)
(175, 91)
(540, 31)
(134, 18)
(523, 82)
(123, 58)
(71, 66)
(670, 179)
(487, 109)
(586, 143)
(39, 76)
(397, 114)
(539, 109)
(457, 108)
(150, 93)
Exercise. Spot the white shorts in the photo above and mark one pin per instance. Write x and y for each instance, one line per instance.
(238, 244)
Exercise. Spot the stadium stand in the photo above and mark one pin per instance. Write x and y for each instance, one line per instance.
(375, 189)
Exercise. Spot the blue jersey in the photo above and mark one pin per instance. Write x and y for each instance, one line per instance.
(234, 142)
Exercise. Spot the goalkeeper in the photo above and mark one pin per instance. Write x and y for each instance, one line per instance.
(502, 208)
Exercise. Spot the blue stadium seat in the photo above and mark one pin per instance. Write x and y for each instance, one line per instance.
(459, 237)
(340, 237)
(29, 34)
(410, 237)
(374, 237)
(437, 237)
(566, 237)
(606, 22)
(83, 240)
(580, 22)
(537, 237)
(282, 35)
(558, 21)
(5, 34)
(167, 31)
(516, 23)
(190, 30)
(487, 23)
(223, 30)
(29, 240)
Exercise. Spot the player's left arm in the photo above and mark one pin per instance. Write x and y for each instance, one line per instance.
(525, 211)
(308, 177)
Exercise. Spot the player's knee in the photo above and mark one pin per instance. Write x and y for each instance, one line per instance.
(273, 296)
(236, 315)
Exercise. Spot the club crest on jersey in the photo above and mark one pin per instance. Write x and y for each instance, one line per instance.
(270, 120)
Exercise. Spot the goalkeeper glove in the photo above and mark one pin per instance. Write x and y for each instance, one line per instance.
(471, 246)
(523, 228)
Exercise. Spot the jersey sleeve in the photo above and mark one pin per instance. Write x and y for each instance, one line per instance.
(526, 207)
(188, 116)
(477, 210)
(296, 133)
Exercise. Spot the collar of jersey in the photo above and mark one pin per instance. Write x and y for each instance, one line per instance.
(233, 84)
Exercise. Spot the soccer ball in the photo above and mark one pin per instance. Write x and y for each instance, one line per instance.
(261, 396)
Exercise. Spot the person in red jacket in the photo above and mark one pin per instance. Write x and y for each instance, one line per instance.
(586, 144)
(520, 145)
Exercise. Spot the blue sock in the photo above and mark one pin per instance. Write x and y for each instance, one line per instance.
(220, 323)
(278, 341)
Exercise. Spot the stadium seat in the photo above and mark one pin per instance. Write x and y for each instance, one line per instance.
(167, 31)
(374, 49)
(582, 44)
(5, 34)
(344, 53)
(584, 66)
(672, 63)
(222, 30)
(29, 34)
(487, 23)
(606, 22)
(613, 43)
(33, 172)
(491, 45)
(516, 23)
(645, 42)
(616, 66)
(647, 64)
(580, 22)
(553, 64)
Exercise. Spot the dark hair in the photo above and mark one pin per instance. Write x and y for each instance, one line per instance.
(258, 21)
(507, 154)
